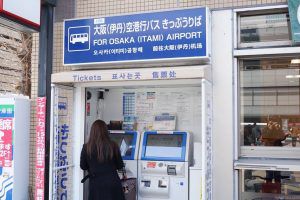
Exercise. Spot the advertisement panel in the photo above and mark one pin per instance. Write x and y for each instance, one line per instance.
(158, 36)
(6, 150)
(61, 164)
(40, 148)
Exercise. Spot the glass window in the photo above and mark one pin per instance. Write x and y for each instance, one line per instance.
(264, 29)
(270, 102)
(269, 185)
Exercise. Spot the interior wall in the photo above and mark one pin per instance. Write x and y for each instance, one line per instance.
(187, 106)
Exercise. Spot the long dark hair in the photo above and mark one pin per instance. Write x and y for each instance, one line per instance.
(100, 143)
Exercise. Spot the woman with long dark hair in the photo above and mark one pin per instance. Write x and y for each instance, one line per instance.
(102, 158)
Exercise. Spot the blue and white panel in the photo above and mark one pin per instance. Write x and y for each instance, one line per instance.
(6, 183)
(61, 165)
(157, 36)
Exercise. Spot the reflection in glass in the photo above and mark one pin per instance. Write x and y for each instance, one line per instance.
(124, 141)
(267, 185)
(270, 102)
(264, 28)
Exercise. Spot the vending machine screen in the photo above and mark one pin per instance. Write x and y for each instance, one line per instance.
(125, 142)
(164, 145)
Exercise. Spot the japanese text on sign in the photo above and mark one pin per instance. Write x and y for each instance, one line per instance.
(6, 131)
(6, 135)
(40, 148)
(138, 37)
(143, 26)
(137, 75)
(61, 161)
(61, 150)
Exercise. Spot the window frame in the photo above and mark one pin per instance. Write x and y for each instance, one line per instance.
(287, 165)
(240, 150)
(257, 11)
(250, 152)
(259, 151)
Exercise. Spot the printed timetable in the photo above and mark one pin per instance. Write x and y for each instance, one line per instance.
(128, 104)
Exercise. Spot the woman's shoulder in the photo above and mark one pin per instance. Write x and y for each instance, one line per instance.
(84, 146)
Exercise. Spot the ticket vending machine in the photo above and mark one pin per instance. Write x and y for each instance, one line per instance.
(128, 142)
(163, 168)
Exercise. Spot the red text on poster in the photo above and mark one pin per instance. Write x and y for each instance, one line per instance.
(40, 148)
(6, 131)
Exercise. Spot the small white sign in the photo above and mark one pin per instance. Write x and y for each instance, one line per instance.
(165, 122)
(26, 11)
(99, 21)
(167, 73)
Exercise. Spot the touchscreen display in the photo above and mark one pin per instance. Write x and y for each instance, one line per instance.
(124, 141)
(167, 146)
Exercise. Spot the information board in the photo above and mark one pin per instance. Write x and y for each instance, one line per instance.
(6, 150)
(139, 37)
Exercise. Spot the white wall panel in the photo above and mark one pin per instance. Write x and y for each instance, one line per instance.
(223, 105)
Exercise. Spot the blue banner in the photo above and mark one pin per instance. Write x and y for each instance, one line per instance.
(139, 37)
(7, 111)
(294, 12)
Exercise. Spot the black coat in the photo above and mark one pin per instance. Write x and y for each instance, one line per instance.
(104, 183)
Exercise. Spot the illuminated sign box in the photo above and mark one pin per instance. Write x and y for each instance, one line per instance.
(178, 35)
(20, 14)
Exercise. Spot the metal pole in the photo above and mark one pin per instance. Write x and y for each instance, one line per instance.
(44, 76)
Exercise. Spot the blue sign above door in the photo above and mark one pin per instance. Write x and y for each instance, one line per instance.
(160, 36)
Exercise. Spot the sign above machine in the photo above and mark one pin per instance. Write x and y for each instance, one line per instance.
(160, 37)
(166, 73)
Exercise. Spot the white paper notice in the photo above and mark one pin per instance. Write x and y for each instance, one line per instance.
(145, 103)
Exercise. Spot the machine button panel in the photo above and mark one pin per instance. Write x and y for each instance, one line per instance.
(146, 183)
(171, 169)
(162, 184)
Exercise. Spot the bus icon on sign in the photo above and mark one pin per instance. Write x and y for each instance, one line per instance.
(79, 38)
